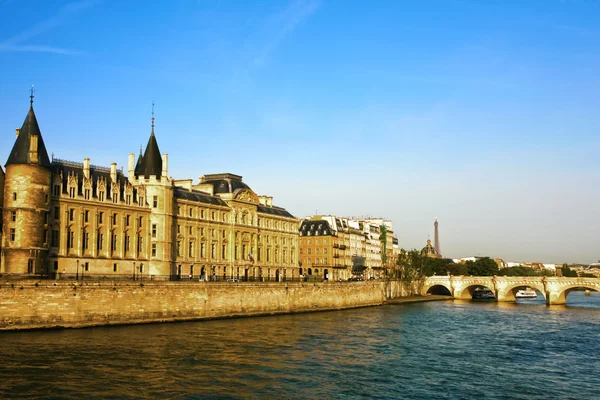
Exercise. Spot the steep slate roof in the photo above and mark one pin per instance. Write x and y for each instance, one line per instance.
(225, 183)
(20, 151)
(200, 197)
(315, 228)
(152, 160)
(138, 166)
(282, 212)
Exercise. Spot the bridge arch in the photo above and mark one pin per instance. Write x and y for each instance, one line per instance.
(466, 293)
(430, 284)
(509, 292)
(440, 289)
(560, 296)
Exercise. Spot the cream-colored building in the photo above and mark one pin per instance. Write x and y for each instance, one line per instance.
(356, 244)
(64, 218)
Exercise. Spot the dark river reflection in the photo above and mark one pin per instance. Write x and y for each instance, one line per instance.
(448, 349)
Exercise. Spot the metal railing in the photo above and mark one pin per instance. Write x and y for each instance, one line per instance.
(89, 277)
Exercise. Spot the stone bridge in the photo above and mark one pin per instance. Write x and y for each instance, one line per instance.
(554, 289)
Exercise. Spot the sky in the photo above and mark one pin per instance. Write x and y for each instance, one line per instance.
(484, 114)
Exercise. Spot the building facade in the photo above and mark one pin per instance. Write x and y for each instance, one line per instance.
(357, 246)
(63, 217)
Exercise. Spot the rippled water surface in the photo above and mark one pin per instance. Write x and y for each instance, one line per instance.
(448, 349)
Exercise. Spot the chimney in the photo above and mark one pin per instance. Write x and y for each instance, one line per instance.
(130, 166)
(165, 165)
(33, 149)
(113, 172)
(86, 168)
(18, 130)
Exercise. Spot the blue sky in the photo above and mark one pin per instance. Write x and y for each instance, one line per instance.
(482, 113)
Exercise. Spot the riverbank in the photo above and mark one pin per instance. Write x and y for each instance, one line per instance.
(57, 304)
(47, 304)
(418, 299)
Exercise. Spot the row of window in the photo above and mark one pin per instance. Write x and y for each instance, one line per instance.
(316, 251)
(114, 217)
(318, 261)
(242, 218)
(87, 195)
(240, 252)
(202, 213)
(86, 267)
(223, 234)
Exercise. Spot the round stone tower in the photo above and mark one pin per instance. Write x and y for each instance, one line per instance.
(26, 202)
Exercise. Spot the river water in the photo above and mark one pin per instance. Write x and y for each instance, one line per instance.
(442, 350)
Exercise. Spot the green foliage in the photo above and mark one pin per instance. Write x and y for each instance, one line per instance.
(483, 266)
(457, 269)
(383, 240)
(439, 266)
(568, 272)
(358, 265)
(409, 268)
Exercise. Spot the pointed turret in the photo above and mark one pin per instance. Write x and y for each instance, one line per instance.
(29, 147)
(152, 160)
(138, 166)
(26, 194)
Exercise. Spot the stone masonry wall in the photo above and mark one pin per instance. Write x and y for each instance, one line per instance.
(50, 304)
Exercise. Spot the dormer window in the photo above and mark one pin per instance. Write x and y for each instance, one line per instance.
(72, 192)
(56, 190)
(86, 194)
(101, 195)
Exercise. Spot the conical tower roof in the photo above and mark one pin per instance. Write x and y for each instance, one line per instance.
(20, 151)
(152, 160)
(138, 166)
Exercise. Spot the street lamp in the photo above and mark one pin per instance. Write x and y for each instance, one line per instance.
(141, 271)
(133, 274)
(77, 274)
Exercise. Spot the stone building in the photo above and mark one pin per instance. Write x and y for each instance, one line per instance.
(323, 251)
(67, 217)
(346, 245)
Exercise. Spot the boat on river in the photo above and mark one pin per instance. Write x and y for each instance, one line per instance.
(526, 294)
(483, 294)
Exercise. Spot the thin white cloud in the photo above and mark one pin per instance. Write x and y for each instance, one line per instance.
(282, 24)
(16, 43)
(41, 49)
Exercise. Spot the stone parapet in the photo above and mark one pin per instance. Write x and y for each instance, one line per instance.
(50, 304)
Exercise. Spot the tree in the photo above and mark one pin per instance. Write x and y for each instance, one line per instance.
(483, 266)
(457, 269)
(383, 240)
(410, 267)
(358, 265)
(568, 272)
(437, 266)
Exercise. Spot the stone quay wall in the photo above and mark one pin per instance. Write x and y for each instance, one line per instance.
(55, 304)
